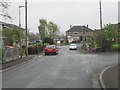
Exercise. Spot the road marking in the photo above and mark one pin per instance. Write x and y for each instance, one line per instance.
(20, 64)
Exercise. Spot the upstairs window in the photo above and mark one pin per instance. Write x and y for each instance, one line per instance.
(69, 33)
(75, 33)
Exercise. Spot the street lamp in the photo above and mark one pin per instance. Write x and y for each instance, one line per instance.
(20, 31)
(20, 16)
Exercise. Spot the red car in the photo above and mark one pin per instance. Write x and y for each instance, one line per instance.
(49, 49)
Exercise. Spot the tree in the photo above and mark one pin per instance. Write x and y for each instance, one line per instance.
(108, 36)
(4, 5)
(13, 34)
(48, 29)
(33, 37)
(53, 29)
(9, 34)
(42, 28)
(48, 40)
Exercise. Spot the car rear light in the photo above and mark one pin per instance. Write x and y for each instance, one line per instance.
(54, 49)
(45, 49)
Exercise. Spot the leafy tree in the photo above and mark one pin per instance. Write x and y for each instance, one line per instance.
(53, 29)
(48, 29)
(12, 34)
(108, 36)
(9, 34)
(48, 40)
(42, 28)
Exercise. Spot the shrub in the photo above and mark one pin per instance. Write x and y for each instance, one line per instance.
(48, 40)
(45, 44)
(2, 54)
(116, 46)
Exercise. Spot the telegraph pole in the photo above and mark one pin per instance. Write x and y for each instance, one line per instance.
(101, 23)
(100, 15)
(26, 27)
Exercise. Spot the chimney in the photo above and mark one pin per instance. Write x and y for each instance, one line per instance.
(87, 26)
(70, 26)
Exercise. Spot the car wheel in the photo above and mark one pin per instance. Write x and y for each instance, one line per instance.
(46, 54)
(56, 53)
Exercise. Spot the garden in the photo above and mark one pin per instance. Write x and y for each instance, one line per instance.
(107, 40)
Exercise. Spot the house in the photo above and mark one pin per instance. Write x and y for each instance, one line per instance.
(79, 33)
(59, 39)
(12, 27)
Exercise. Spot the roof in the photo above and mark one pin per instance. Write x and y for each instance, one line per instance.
(10, 25)
(97, 31)
(80, 29)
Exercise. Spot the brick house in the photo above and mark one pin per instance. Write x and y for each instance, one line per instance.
(79, 33)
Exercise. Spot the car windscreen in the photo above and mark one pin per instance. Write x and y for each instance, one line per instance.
(50, 46)
(72, 44)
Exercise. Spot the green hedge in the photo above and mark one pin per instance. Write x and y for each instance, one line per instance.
(116, 46)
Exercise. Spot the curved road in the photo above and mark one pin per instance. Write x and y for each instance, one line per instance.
(69, 69)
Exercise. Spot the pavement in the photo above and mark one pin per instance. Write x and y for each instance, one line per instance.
(17, 62)
(106, 78)
(109, 77)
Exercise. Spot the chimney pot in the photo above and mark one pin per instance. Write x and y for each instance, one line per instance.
(87, 26)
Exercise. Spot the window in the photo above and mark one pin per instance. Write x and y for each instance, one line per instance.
(69, 33)
(75, 33)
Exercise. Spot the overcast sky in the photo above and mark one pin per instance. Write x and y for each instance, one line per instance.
(66, 13)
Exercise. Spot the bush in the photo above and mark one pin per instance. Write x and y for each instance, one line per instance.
(105, 38)
(45, 44)
(116, 46)
(35, 49)
(2, 54)
(48, 40)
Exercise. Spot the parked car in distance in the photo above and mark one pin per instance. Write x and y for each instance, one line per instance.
(51, 49)
(73, 46)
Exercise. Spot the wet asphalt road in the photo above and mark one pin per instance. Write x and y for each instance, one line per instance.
(69, 69)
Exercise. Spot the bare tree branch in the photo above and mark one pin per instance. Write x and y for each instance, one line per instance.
(4, 5)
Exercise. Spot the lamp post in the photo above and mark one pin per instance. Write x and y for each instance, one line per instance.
(20, 31)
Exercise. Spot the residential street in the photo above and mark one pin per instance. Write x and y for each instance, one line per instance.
(68, 69)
